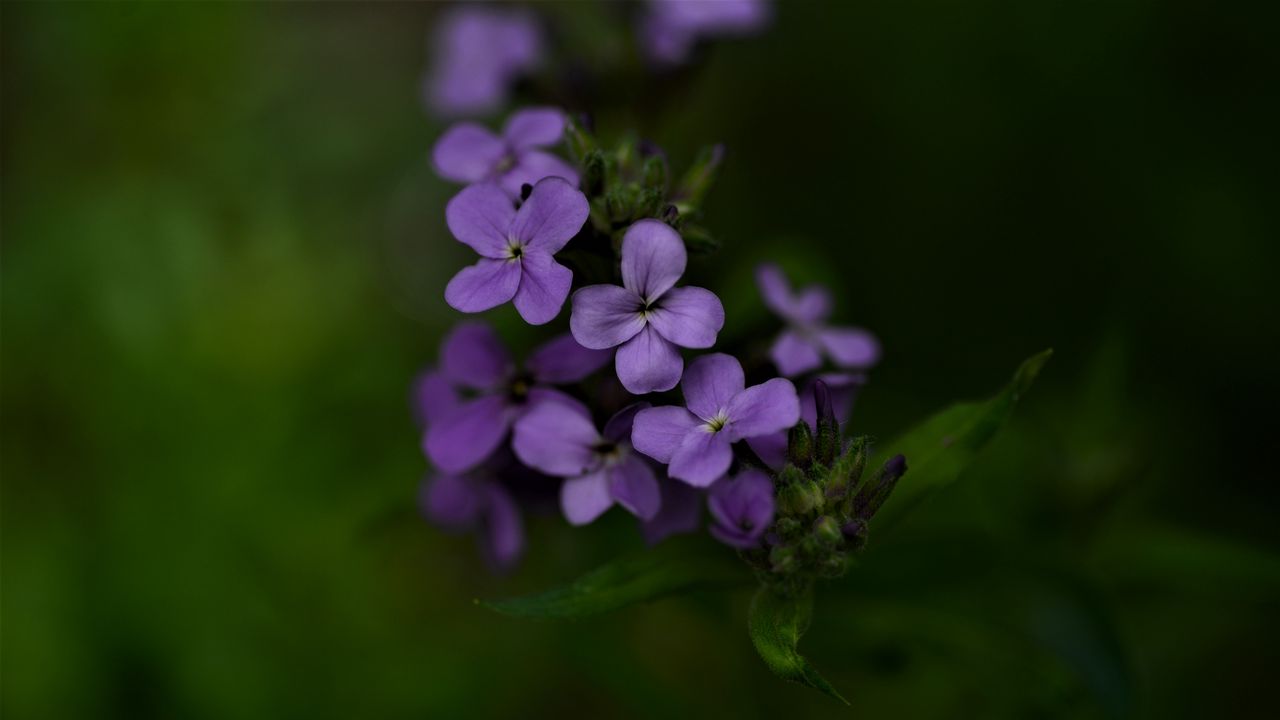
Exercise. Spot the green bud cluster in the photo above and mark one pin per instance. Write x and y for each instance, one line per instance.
(824, 500)
(631, 181)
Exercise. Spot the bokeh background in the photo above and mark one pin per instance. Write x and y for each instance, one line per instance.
(223, 259)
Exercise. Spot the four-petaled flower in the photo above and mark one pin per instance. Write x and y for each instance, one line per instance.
(464, 432)
(516, 248)
(598, 468)
(469, 153)
(478, 53)
(647, 318)
(801, 346)
(695, 442)
(477, 502)
(742, 508)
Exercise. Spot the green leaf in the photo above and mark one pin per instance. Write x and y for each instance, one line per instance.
(676, 566)
(776, 624)
(941, 447)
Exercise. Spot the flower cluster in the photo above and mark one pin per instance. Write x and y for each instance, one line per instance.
(608, 235)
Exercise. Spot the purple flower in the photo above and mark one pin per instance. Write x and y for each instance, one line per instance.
(647, 318)
(807, 338)
(473, 358)
(598, 468)
(742, 508)
(516, 248)
(695, 442)
(477, 54)
(772, 449)
(672, 27)
(469, 153)
(463, 503)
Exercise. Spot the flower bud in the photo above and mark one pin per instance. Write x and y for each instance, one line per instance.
(847, 471)
(655, 173)
(790, 475)
(800, 498)
(827, 530)
(593, 174)
(800, 444)
(579, 137)
(872, 495)
(782, 558)
(833, 566)
(828, 442)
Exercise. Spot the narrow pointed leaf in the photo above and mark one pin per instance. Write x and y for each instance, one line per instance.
(941, 447)
(776, 624)
(674, 567)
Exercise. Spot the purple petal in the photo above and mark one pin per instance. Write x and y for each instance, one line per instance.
(710, 383)
(451, 501)
(762, 409)
(473, 356)
(794, 355)
(702, 459)
(553, 214)
(480, 216)
(680, 512)
(618, 429)
(433, 397)
(467, 153)
(583, 499)
(648, 363)
(478, 52)
(505, 537)
(742, 508)
(469, 434)
(534, 165)
(809, 306)
(688, 316)
(653, 258)
(605, 316)
(851, 347)
(659, 432)
(483, 286)
(563, 360)
(556, 440)
(634, 487)
(544, 286)
(771, 448)
(539, 395)
(534, 127)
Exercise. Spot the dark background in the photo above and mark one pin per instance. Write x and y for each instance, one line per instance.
(224, 256)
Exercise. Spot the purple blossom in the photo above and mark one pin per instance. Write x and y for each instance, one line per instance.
(647, 318)
(801, 346)
(742, 508)
(516, 248)
(672, 27)
(772, 449)
(470, 153)
(477, 54)
(695, 442)
(599, 468)
(477, 502)
(466, 431)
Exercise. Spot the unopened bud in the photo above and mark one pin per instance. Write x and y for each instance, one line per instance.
(855, 533)
(800, 498)
(800, 444)
(579, 131)
(848, 470)
(790, 475)
(828, 442)
(873, 494)
(827, 530)
(782, 558)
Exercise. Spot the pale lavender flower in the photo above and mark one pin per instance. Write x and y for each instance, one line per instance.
(647, 318)
(463, 434)
(672, 27)
(599, 468)
(516, 248)
(478, 52)
(470, 153)
(695, 442)
(843, 387)
(742, 508)
(800, 348)
(477, 502)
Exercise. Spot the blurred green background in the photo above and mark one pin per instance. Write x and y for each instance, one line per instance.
(223, 260)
